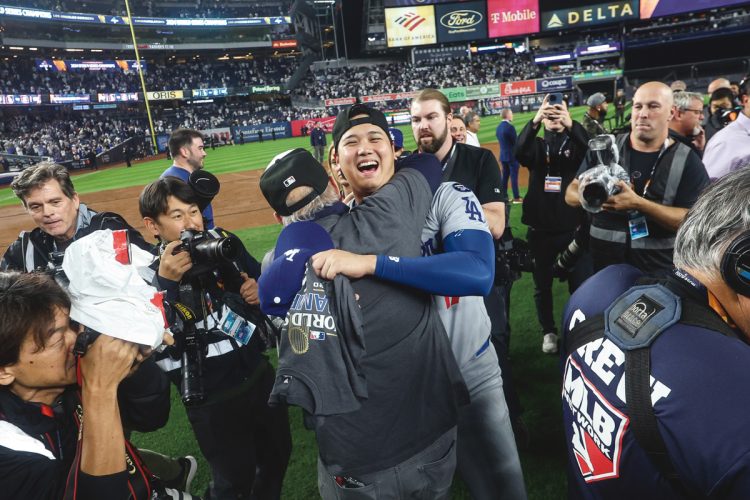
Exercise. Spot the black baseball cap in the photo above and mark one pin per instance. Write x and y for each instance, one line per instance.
(289, 170)
(344, 121)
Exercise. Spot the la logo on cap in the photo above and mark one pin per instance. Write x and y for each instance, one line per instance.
(289, 181)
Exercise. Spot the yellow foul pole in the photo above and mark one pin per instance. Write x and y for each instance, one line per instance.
(143, 80)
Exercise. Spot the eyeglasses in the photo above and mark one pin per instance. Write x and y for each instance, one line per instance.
(696, 111)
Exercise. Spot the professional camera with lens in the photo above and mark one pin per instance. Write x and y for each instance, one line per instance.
(597, 184)
(205, 249)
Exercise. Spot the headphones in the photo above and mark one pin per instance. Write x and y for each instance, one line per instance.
(735, 265)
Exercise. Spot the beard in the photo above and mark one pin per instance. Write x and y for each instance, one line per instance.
(435, 145)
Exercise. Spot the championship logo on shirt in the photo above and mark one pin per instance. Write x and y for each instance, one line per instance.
(598, 427)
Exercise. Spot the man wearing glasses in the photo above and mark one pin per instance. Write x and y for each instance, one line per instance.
(685, 125)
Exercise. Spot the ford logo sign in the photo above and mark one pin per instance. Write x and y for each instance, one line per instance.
(461, 19)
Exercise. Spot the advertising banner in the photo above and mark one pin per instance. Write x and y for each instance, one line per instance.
(118, 97)
(410, 26)
(545, 85)
(657, 8)
(340, 101)
(79, 17)
(522, 87)
(389, 97)
(209, 92)
(482, 91)
(512, 17)
(597, 75)
(455, 94)
(406, 3)
(265, 89)
(22, 99)
(71, 65)
(165, 95)
(579, 17)
(326, 123)
(249, 133)
(284, 44)
(460, 22)
(69, 98)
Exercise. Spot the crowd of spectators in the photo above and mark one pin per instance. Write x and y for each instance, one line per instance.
(407, 77)
(21, 76)
(152, 8)
(68, 138)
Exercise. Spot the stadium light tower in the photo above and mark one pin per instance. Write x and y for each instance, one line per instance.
(143, 80)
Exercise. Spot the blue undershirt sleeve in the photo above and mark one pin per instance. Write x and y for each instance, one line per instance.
(465, 268)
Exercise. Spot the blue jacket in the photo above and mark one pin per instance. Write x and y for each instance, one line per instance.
(506, 136)
(318, 137)
(699, 394)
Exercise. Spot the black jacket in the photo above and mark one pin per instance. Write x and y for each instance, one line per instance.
(548, 211)
(39, 452)
(21, 257)
(227, 364)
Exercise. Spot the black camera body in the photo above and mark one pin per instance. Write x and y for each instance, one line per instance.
(207, 252)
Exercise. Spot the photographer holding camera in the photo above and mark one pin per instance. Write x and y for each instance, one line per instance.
(218, 360)
(50, 199)
(639, 221)
(45, 451)
(552, 162)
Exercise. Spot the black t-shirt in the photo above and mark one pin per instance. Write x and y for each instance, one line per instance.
(641, 169)
(477, 169)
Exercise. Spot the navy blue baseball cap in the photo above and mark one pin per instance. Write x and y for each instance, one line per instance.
(279, 284)
(397, 137)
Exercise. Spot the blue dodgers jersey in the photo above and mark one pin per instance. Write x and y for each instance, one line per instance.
(699, 391)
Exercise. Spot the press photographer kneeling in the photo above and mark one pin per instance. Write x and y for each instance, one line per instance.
(218, 360)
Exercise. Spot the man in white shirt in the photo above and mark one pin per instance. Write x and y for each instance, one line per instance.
(729, 149)
(472, 128)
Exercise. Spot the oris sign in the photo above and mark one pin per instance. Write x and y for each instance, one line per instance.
(512, 17)
(461, 22)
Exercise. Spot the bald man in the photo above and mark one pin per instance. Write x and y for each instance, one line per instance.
(719, 83)
(638, 224)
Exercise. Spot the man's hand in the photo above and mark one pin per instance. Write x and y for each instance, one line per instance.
(699, 141)
(626, 199)
(249, 290)
(332, 262)
(174, 266)
(107, 362)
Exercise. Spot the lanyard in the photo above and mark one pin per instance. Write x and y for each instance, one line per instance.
(559, 153)
(653, 169)
(448, 163)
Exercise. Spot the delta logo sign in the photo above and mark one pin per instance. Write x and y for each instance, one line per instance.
(409, 26)
(512, 17)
